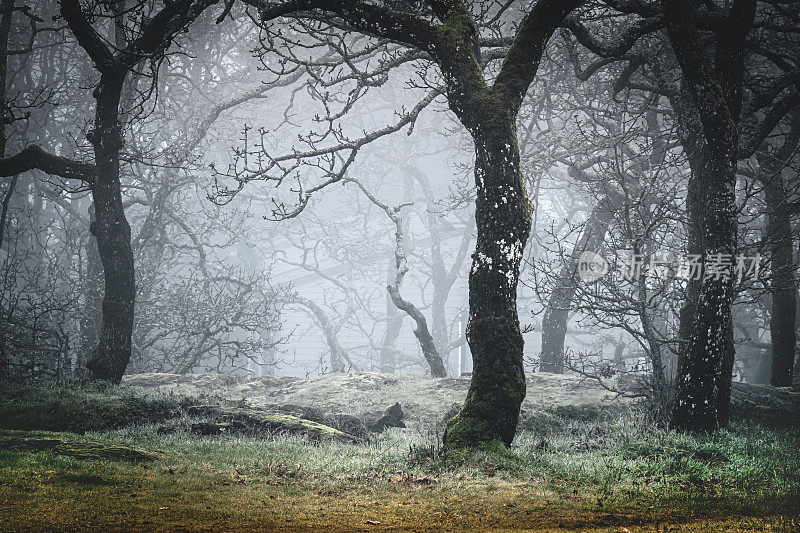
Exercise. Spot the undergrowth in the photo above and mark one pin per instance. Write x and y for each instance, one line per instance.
(82, 408)
(600, 465)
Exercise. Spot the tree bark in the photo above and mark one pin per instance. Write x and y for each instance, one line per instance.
(92, 320)
(503, 214)
(6, 14)
(783, 287)
(556, 315)
(113, 234)
(703, 381)
(783, 283)
(704, 372)
(394, 323)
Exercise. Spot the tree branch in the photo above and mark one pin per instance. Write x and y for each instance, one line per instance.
(35, 157)
(87, 37)
(523, 56)
(373, 20)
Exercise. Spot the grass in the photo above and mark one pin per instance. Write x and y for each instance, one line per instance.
(78, 409)
(600, 473)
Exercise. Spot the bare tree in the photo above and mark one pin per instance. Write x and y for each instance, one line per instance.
(114, 58)
(503, 210)
(429, 351)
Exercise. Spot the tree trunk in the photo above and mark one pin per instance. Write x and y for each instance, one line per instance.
(429, 351)
(556, 315)
(394, 323)
(337, 353)
(703, 381)
(442, 283)
(113, 234)
(6, 12)
(783, 284)
(658, 381)
(6, 15)
(426, 343)
(92, 320)
(783, 287)
(706, 351)
(690, 131)
(441, 337)
(503, 214)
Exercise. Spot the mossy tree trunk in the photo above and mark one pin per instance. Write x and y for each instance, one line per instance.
(703, 381)
(502, 210)
(704, 372)
(503, 217)
(503, 214)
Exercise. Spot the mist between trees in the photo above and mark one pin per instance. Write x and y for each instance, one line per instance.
(305, 187)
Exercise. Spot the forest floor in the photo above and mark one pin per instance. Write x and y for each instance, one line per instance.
(124, 458)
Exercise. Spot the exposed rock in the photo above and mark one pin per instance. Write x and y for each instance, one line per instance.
(424, 400)
(202, 381)
(782, 398)
(391, 418)
(77, 449)
(775, 406)
(219, 428)
(265, 385)
(254, 421)
(349, 424)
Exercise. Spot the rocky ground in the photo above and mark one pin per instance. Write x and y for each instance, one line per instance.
(424, 401)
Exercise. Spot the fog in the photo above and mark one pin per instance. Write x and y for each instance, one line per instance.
(278, 174)
(418, 265)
